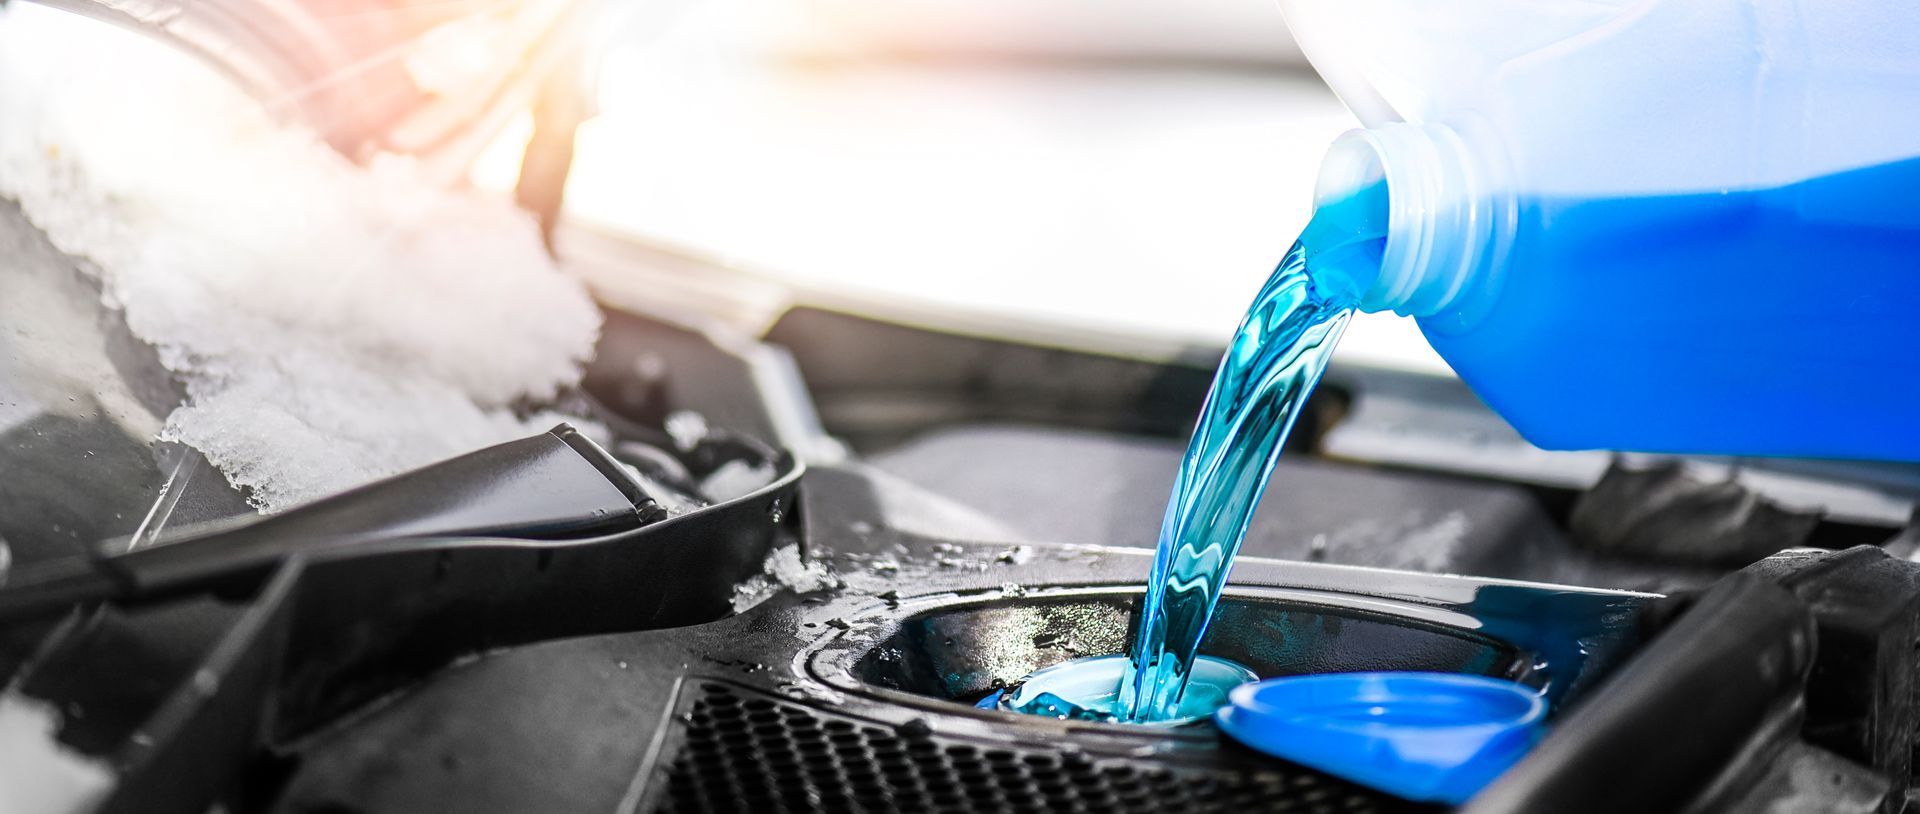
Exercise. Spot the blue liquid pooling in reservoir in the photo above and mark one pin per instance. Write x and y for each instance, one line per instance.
(1275, 359)
(1087, 689)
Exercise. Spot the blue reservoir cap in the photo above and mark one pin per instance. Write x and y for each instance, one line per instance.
(1434, 737)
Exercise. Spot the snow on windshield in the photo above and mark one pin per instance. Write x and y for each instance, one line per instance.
(332, 323)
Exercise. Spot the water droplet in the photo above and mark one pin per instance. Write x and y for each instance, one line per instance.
(1016, 555)
(1060, 640)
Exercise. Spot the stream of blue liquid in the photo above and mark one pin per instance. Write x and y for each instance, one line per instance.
(1275, 360)
(1270, 367)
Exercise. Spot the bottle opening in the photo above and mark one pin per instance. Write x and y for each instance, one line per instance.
(1345, 243)
(1419, 187)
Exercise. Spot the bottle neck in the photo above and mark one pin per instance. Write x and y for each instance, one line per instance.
(1448, 218)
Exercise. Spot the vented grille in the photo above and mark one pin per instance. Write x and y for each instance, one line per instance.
(745, 752)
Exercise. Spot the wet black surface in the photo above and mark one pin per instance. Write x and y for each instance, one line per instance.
(613, 707)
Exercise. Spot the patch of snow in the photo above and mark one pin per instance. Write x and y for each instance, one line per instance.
(752, 591)
(736, 479)
(38, 773)
(785, 568)
(687, 429)
(332, 323)
(789, 568)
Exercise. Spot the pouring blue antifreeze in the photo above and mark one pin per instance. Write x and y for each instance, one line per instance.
(1274, 361)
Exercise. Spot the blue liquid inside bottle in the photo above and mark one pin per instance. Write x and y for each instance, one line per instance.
(1775, 321)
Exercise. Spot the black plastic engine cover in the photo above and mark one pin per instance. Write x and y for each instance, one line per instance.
(859, 698)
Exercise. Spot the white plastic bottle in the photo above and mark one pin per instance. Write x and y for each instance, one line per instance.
(1666, 225)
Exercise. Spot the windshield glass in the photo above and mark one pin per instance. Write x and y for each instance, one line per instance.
(1114, 168)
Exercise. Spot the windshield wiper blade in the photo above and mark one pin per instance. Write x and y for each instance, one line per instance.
(558, 485)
